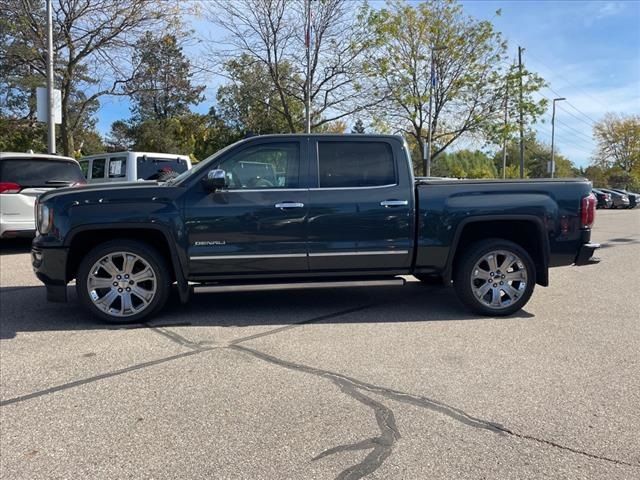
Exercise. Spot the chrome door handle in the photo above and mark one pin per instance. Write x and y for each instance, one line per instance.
(289, 205)
(394, 203)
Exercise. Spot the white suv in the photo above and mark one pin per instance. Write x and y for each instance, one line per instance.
(133, 166)
(23, 177)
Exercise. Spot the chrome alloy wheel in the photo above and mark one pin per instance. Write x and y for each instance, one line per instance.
(499, 279)
(122, 284)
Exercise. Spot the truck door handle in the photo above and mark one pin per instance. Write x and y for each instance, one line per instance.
(394, 203)
(289, 205)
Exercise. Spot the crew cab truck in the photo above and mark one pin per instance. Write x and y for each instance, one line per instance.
(302, 211)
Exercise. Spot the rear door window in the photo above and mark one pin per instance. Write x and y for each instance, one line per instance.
(355, 164)
(118, 167)
(84, 166)
(162, 169)
(97, 169)
(40, 172)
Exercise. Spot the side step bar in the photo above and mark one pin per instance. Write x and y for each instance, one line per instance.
(297, 286)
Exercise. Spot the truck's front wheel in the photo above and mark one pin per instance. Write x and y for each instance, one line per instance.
(495, 277)
(123, 281)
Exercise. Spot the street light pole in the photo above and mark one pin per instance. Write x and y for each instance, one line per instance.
(553, 129)
(307, 105)
(432, 83)
(51, 124)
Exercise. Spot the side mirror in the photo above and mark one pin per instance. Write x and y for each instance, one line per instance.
(216, 179)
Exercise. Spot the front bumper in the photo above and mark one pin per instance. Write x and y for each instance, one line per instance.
(585, 254)
(50, 266)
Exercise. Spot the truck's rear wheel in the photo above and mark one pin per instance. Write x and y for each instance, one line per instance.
(123, 281)
(495, 277)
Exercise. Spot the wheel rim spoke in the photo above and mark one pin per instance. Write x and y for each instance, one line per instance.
(492, 261)
(128, 262)
(105, 302)
(100, 282)
(507, 262)
(146, 274)
(482, 291)
(108, 265)
(125, 303)
(145, 295)
(495, 297)
(480, 273)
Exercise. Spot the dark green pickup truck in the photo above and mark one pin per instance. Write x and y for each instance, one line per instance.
(305, 211)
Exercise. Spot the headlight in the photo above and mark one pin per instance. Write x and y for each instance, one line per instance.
(44, 218)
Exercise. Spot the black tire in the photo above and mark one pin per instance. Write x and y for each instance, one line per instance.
(428, 279)
(464, 273)
(146, 253)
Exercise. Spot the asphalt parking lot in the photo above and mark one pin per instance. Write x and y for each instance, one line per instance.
(373, 383)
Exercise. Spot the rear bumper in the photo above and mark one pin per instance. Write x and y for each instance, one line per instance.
(50, 265)
(585, 254)
(14, 229)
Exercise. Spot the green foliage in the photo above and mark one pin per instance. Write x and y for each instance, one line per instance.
(618, 138)
(358, 127)
(250, 103)
(162, 85)
(467, 57)
(464, 164)
(537, 156)
(191, 134)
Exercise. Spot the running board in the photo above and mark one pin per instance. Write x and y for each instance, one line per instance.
(297, 286)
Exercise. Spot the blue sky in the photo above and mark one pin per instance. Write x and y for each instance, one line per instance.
(588, 51)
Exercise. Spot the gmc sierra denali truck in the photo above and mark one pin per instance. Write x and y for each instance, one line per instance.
(305, 211)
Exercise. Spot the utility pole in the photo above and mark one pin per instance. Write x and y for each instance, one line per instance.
(506, 122)
(51, 124)
(432, 83)
(308, 82)
(520, 49)
(553, 128)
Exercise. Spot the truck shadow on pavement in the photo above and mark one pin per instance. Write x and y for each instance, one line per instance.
(15, 246)
(25, 309)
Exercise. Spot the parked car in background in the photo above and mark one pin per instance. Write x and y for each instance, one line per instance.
(634, 198)
(620, 200)
(133, 166)
(23, 177)
(604, 198)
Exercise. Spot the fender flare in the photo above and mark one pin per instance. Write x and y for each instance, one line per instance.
(542, 269)
(176, 262)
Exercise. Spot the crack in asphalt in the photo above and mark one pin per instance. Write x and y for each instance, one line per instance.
(383, 449)
(380, 446)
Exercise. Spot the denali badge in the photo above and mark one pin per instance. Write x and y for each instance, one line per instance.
(210, 243)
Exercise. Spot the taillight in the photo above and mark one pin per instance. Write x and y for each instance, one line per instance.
(9, 187)
(588, 211)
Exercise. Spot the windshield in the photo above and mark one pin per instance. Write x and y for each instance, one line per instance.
(207, 162)
(40, 172)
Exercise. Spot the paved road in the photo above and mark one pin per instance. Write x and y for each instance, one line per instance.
(377, 383)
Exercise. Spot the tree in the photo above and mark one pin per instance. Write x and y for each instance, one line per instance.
(618, 138)
(465, 164)
(161, 86)
(358, 127)
(92, 44)
(191, 134)
(537, 157)
(249, 102)
(273, 33)
(435, 46)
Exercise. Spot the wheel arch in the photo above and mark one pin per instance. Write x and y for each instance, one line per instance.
(528, 231)
(83, 239)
